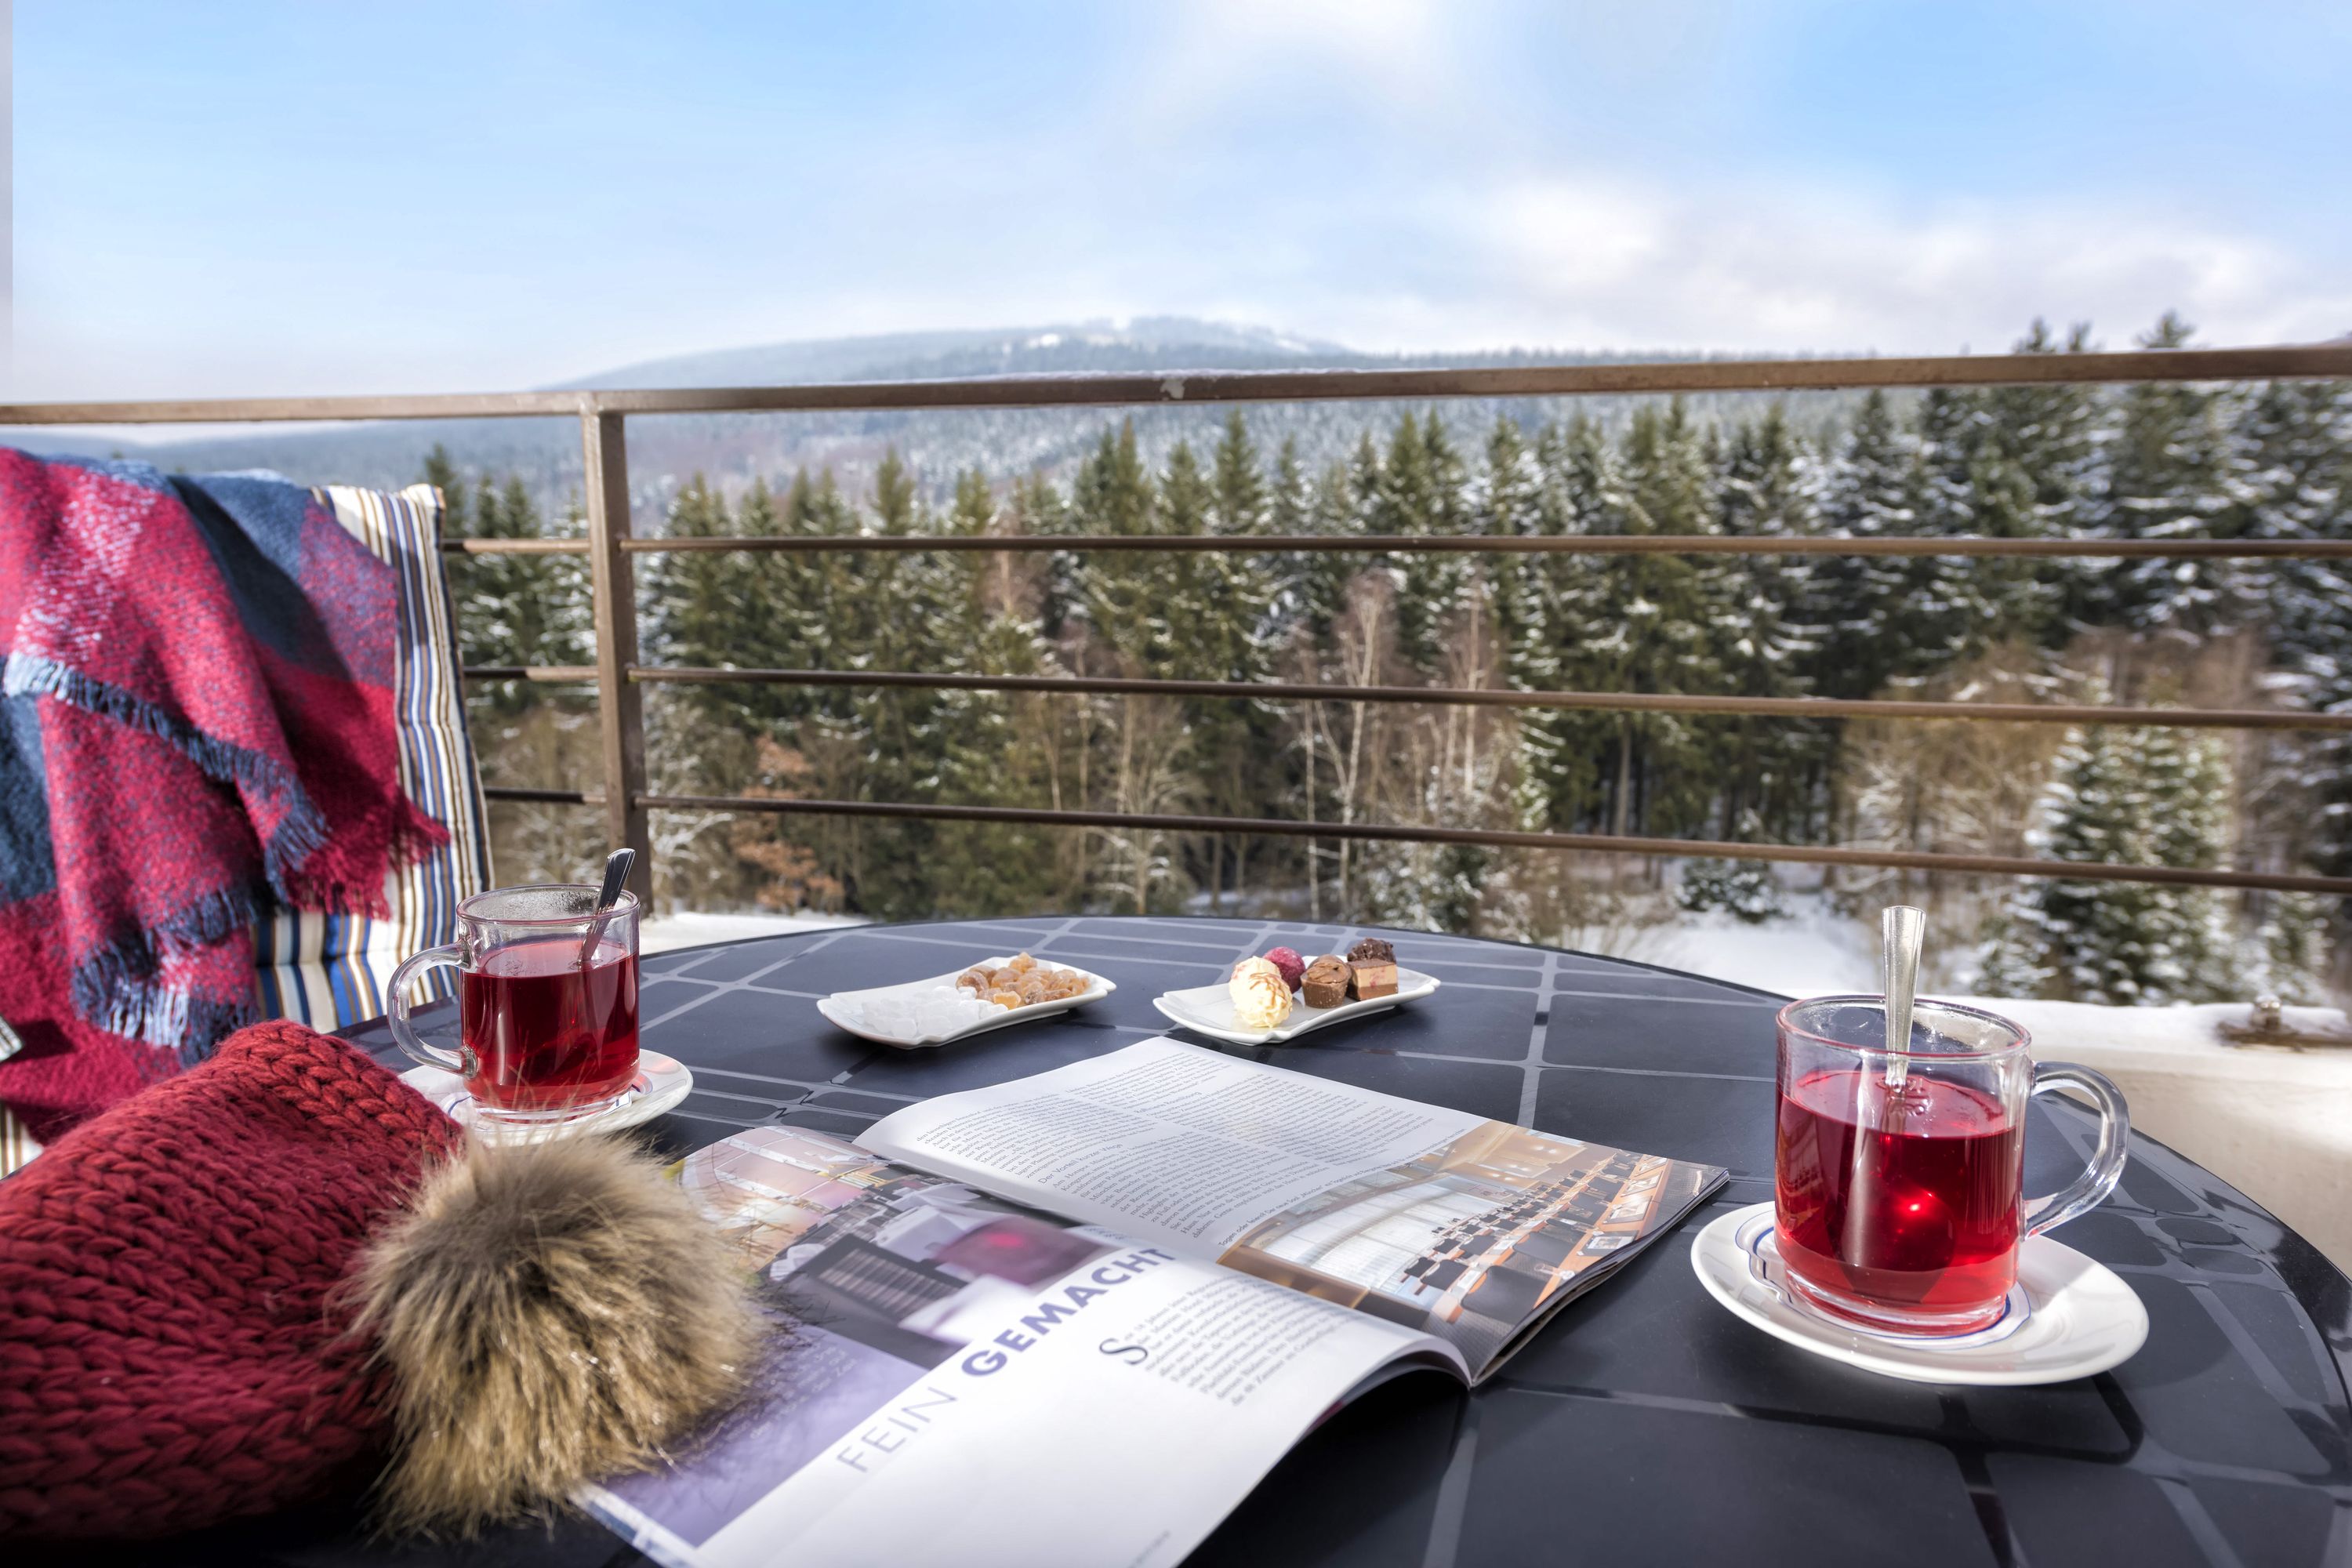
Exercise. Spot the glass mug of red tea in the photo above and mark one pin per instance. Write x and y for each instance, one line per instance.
(1899, 1176)
(547, 1002)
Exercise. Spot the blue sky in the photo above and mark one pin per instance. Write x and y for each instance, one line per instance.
(245, 197)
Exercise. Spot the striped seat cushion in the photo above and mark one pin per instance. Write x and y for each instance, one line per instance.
(332, 970)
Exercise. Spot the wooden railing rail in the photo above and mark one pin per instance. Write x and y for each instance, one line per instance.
(1448, 696)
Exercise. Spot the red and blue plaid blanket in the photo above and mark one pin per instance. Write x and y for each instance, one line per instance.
(195, 718)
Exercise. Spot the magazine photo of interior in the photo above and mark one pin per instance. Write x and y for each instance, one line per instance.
(891, 1258)
(915, 1266)
(1473, 1239)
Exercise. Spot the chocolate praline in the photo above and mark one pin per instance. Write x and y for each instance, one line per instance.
(1326, 983)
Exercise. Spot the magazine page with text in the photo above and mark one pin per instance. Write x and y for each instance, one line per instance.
(951, 1372)
(1473, 1230)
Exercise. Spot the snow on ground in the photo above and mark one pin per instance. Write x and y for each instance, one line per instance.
(1813, 954)
(691, 927)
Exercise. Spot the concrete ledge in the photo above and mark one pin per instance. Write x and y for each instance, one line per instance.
(2273, 1123)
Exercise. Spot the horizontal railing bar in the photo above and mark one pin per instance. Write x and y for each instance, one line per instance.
(2313, 361)
(1978, 865)
(539, 674)
(515, 546)
(1455, 696)
(552, 797)
(284, 410)
(2287, 363)
(1502, 544)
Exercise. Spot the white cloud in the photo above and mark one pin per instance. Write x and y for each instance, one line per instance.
(1568, 260)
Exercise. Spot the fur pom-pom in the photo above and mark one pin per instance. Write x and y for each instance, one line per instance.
(549, 1313)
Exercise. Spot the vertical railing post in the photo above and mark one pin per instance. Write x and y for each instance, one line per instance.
(620, 706)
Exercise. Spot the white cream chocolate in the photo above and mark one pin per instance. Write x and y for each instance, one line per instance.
(1261, 995)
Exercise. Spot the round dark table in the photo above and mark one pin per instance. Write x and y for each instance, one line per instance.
(1645, 1424)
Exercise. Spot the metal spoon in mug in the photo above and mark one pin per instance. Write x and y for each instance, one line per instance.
(1903, 932)
(616, 873)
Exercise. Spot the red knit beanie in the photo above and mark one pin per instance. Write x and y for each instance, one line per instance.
(172, 1348)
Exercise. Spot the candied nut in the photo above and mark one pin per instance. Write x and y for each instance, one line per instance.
(1021, 981)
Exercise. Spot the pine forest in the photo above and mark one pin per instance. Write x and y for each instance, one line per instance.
(2145, 461)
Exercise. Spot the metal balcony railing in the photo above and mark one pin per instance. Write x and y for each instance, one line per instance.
(611, 549)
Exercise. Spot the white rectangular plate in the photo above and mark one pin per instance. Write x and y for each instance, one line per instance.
(1209, 1010)
(843, 1018)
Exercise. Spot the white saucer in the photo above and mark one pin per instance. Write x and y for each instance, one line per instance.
(662, 1082)
(1209, 1010)
(2068, 1318)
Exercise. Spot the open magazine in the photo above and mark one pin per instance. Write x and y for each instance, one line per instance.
(1074, 1318)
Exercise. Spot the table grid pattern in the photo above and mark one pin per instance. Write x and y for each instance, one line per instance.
(1646, 1424)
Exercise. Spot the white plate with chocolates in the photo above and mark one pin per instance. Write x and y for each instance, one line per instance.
(989, 994)
(1273, 999)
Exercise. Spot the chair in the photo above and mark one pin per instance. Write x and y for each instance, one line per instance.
(1506, 1295)
(1548, 1248)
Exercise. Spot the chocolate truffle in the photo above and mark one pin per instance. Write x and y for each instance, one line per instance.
(1288, 961)
(1326, 983)
(1371, 949)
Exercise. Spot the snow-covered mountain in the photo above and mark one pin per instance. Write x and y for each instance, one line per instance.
(1018, 350)
(733, 449)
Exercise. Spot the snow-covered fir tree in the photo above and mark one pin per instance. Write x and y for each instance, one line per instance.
(1767, 492)
(2297, 447)
(1856, 604)
(2172, 476)
(511, 609)
(1745, 890)
(2141, 797)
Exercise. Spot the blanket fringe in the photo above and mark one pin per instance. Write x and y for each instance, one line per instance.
(171, 1018)
(300, 833)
